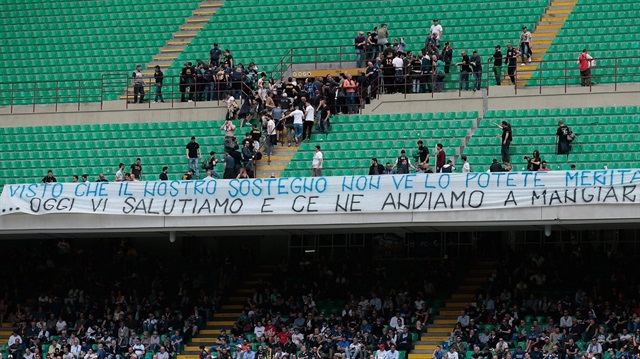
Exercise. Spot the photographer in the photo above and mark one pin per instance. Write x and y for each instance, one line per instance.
(210, 165)
(533, 163)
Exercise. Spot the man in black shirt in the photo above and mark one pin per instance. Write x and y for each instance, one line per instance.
(496, 166)
(563, 139)
(423, 156)
(163, 175)
(511, 60)
(228, 58)
(388, 73)
(376, 168)
(193, 154)
(49, 178)
(136, 169)
(465, 69)
(214, 55)
(497, 65)
(158, 75)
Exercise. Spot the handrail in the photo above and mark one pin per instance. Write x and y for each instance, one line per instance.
(99, 89)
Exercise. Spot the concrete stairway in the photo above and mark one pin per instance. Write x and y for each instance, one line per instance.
(543, 35)
(227, 315)
(5, 332)
(280, 159)
(445, 321)
(181, 38)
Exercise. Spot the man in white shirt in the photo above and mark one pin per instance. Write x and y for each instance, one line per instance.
(463, 319)
(396, 322)
(393, 353)
(353, 351)
(436, 28)
(594, 349)
(502, 346)
(309, 117)
(297, 123)
(525, 48)
(271, 140)
(316, 164)
(380, 353)
(466, 168)
(452, 354)
(259, 329)
(566, 321)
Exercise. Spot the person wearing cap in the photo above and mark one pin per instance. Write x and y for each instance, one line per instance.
(497, 65)
(436, 28)
(524, 45)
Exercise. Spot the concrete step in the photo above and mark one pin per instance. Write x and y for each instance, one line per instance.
(430, 337)
(538, 43)
(172, 50)
(165, 58)
(468, 287)
(210, 5)
(246, 291)
(204, 332)
(553, 18)
(425, 346)
(238, 299)
(419, 356)
(191, 356)
(204, 13)
(474, 280)
(179, 42)
(546, 31)
(439, 330)
(559, 9)
(451, 321)
(233, 315)
(543, 37)
(220, 321)
(563, 3)
(162, 64)
(232, 306)
(450, 312)
(191, 28)
(422, 351)
(549, 27)
(198, 20)
(188, 34)
(200, 340)
(465, 296)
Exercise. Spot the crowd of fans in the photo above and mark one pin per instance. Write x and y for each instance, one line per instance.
(534, 308)
(131, 304)
(318, 310)
(523, 311)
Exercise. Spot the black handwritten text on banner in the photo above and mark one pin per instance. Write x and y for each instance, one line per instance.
(364, 194)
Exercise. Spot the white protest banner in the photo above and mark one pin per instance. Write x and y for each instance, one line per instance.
(363, 194)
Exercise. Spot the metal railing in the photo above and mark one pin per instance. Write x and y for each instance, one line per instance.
(78, 92)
